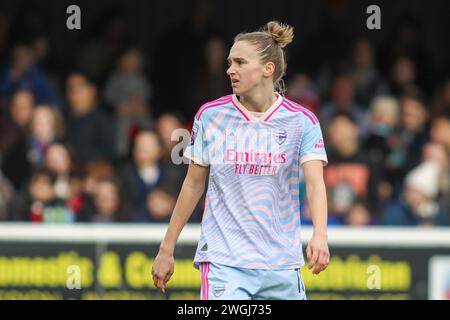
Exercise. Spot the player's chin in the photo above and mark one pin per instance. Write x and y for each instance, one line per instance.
(237, 89)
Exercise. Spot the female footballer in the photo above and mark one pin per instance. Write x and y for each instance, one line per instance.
(253, 143)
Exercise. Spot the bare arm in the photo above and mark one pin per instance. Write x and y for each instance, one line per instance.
(191, 192)
(317, 250)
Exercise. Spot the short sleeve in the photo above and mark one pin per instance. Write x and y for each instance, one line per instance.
(312, 145)
(197, 147)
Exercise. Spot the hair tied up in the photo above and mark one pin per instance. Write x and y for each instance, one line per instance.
(281, 33)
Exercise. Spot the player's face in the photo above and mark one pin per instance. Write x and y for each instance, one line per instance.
(244, 68)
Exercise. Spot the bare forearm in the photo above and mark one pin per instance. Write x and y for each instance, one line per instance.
(187, 200)
(317, 200)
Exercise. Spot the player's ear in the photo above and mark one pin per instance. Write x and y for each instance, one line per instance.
(269, 69)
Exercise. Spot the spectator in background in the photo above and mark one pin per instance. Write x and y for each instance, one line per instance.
(108, 203)
(418, 205)
(405, 40)
(368, 82)
(383, 120)
(342, 99)
(7, 195)
(40, 48)
(96, 57)
(160, 204)
(127, 81)
(213, 82)
(440, 131)
(358, 215)
(14, 131)
(128, 92)
(68, 183)
(143, 174)
(94, 172)
(39, 202)
(77, 199)
(90, 132)
(47, 128)
(407, 141)
(165, 126)
(403, 78)
(302, 90)
(441, 105)
(174, 172)
(178, 93)
(350, 175)
(21, 108)
(437, 152)
(23, 73)
(59, 161)
(44, 56)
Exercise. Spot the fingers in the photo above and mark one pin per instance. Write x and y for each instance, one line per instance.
(324, 259)
(155, 279)
(314, 256)
(322, 262)
(167, 277)
(161, 285)
(162, 270)
(159, 280)
(318, 257)
(308, 253)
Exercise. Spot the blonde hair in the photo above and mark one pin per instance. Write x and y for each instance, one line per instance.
(56, 117)
(270, 43)
(385, 104)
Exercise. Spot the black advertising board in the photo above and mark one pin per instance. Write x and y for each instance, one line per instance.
(102, 270)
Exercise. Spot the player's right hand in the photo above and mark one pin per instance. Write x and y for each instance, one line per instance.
(162, 270)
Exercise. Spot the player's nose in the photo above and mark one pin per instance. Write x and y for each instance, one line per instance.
(230, 71)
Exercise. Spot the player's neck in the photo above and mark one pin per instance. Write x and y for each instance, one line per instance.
(258, 102)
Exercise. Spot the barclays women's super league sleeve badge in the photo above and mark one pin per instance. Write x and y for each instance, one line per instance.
(194, 133)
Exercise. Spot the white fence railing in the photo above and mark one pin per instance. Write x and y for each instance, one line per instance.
(154, 233)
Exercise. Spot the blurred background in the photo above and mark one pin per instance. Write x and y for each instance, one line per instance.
(86, 116)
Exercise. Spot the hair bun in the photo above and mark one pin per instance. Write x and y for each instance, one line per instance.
(282, 34)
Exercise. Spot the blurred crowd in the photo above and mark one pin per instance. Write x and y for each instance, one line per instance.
(78, 161)
(93, 144)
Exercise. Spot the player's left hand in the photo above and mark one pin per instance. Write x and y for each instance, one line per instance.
(317, 253)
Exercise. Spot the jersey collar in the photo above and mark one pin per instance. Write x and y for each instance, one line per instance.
(249, 116)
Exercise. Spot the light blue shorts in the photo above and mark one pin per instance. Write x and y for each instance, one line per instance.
(221, 282)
